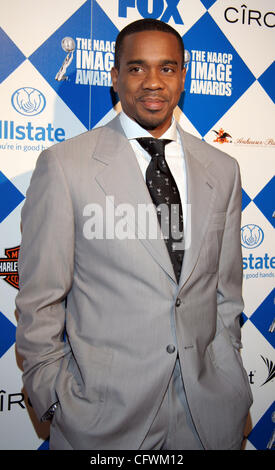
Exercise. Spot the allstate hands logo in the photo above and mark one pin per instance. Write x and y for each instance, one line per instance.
(28, 101)
(251, 236)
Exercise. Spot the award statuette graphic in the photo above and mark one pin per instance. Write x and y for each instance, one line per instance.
(68, 45)
(187, 58)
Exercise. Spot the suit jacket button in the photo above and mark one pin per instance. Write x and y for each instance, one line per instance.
(178, 302)
(170, 348)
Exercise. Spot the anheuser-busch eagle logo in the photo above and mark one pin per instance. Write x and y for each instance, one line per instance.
(9, 266)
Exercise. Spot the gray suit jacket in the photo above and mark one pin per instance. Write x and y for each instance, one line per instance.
(112, 369)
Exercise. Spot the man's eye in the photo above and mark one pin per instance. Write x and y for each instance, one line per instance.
(167, 69)
(136, 69)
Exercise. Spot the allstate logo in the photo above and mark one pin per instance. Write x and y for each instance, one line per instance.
(28, 101)
(251, 236)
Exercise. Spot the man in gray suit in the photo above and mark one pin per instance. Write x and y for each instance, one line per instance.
(150, 356)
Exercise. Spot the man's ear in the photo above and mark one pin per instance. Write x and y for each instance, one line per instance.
(183, 78)
(114, 75)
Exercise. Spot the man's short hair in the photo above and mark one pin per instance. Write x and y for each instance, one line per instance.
(147, 24)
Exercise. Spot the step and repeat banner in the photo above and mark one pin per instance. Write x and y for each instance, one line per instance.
(55, 62)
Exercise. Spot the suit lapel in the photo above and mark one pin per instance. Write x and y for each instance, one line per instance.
(201, 192)
(122, 179)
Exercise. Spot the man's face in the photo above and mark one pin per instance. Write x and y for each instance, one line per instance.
(150, 79)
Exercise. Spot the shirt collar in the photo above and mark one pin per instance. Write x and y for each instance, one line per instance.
(133, 130)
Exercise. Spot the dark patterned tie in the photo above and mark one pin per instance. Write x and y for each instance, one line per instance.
(166, 197)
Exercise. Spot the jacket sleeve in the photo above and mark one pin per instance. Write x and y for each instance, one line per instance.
(229, 289)
(45, 275)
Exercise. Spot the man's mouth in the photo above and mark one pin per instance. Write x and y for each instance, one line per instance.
(152, 103)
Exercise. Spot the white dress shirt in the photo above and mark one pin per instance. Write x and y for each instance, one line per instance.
(173, 153)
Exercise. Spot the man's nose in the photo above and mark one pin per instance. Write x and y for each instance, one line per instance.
(153, 80)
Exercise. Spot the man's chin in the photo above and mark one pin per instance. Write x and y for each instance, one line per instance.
(150, 124)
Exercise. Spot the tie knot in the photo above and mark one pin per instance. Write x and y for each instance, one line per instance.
(155, 147)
